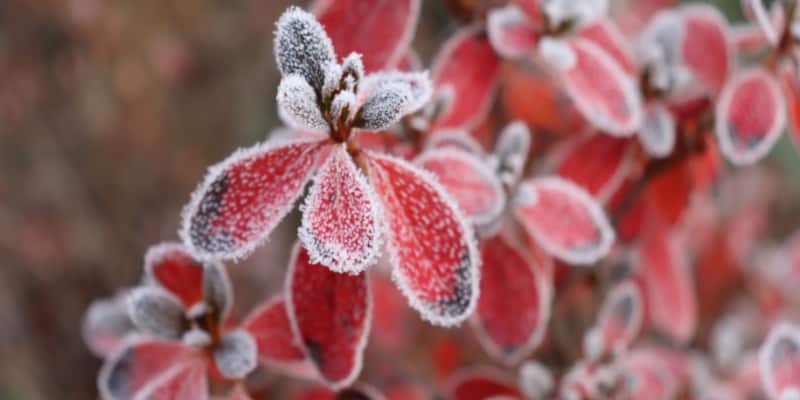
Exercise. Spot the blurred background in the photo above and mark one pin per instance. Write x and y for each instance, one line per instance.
(110, 112)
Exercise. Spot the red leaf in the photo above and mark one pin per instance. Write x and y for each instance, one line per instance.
(511, 276)
(646, 377)
(513, 33)
(669, 193)
(779, 361)
(707, 49)
(330, 314)
(601, 90)
(269, 325)
(751, 115)
(185, 382)
(173, 268)
(341, 226)
(596, 163)
(465, 72)
(480, 384)
(618, 322)
(455, 139)
(605, 34)
(380, 30)
(564, 219)
(432, 247)
(139, 364)
(243, 198)
(469, 180)
(668, 286)
(391, 313)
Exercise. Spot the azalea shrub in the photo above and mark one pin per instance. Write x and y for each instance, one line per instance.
(566, 203)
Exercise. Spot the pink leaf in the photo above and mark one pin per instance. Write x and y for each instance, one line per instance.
(330, 315)
(658, 133)
(605, 34)
(183, 382)
(707, 49)
(469, 180)
(243, 198)
(564, 219)
(750, 116)
(779, 361)
(139, 364)
(512, 150)
(510, 275)
(342, 220)
(269, 325)
(668, 286)
(511, 32)
(106, 324)
(601, 90)
(170, 266)
(618, 322)
(597, 163)
(465, 72)
(646, 377)
(479, 384)
(431, 245)
(381, 31)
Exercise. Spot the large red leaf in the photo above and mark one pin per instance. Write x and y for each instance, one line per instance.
(597, 163)
(779, 361)
(511, 276)
(330, 315)
(380, 30)
(342, 221)
(270, 327)
(244, 197)
(751, 115)
(707, 49)
(432, 247)
(469, 180)
(465, 72)
(479, 384)
(564, 219)
(172, 267)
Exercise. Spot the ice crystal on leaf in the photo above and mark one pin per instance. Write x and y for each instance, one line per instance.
(779, 361)
(302, 47)
(236, 355)
(156, 312)
(297, 104)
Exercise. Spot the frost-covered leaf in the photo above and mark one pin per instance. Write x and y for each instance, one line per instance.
(511, 151)
(244, 197)
(779, 362)
(512, 33)
(658, 49)
(596, 163)
(468, 69)
(645, 376)
(573, 12)
(750, 116)
(236, 355)
(330, 314)
(269, 326)
(432, 247)
(183, 382)
(139, 364)
(707, 49)
(601, 90)
(469, 180)
(217, 290)
(342, 220)
(756, 11)
(343, 106)
(564, 219)
(605, 34)
(658, 132)
(536, 380)
(170, 266)
(456, 139)
(297, 104)
(618, 322)
(156, 312)
(105, 325)
(384, 106)
(381, 31)
(419, 83)
(302, 47)
(558, 53)
(479, 384)
(511, 274)
(668, 287)
(353, 66)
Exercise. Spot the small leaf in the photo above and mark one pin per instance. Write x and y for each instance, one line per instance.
(756, 11)
(342, 219)
(779, 361)
(618, 322)
(605, 34)
(381, 31)
(330, 313)
(659, 51)
(645, 376)
(597, 163)
(419, 83)
(236, 355)
(512, 152)
(217, 290)
(564, 219)
(156, 312)
(480, 383)
(432, 248)
(469, 180)
(707, 48)
(466, 70)
(105, 325)
(536, 380)
(243, 198)
(297, 104)
(510, 273)
(573, 12)
(269, 325)
(384, 106)
(658, 132)
(750, 116)
(170, 266)
(183, 382)
(511, 32)
(302, 47)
